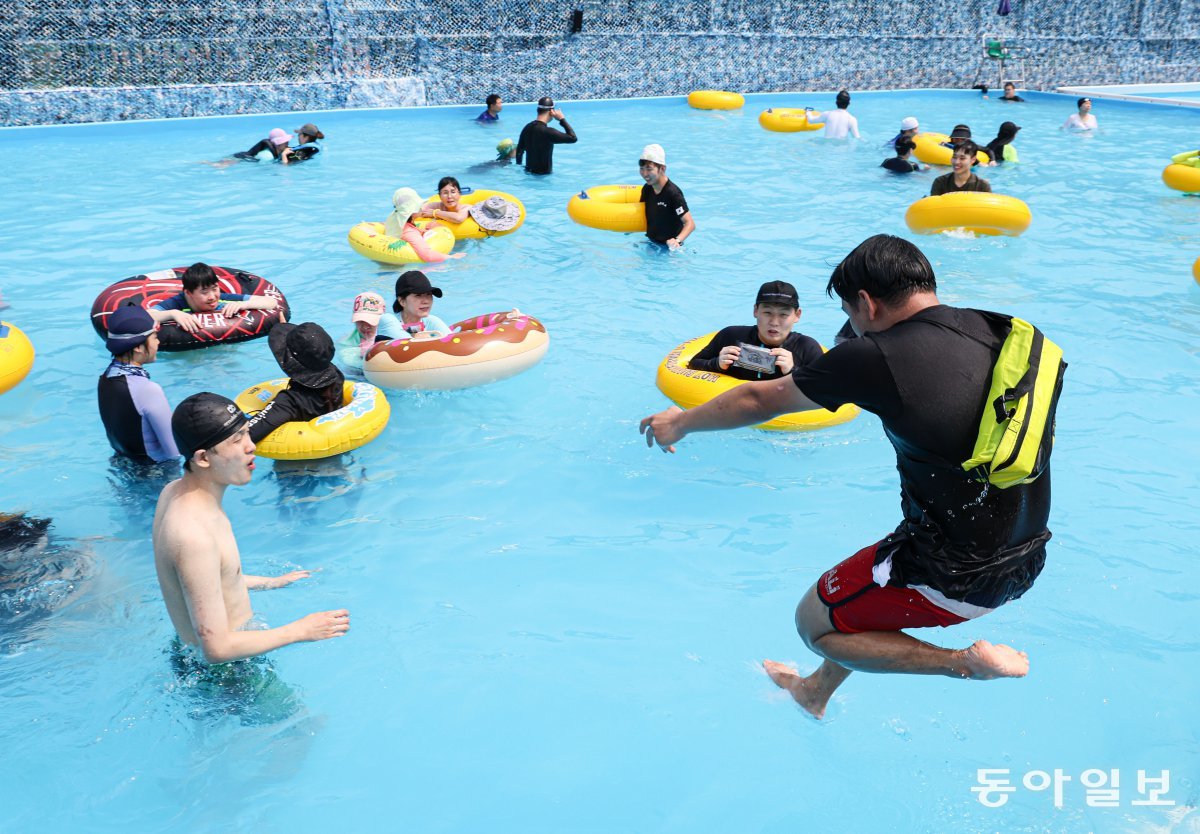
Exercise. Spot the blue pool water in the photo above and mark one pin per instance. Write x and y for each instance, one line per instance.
(554, 628)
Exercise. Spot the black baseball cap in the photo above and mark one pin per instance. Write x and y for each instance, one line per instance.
(413, 282)
(778, 292)
(203, 420)
(545, 103)
(960, 132)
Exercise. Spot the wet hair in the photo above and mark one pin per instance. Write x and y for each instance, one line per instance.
(966, 147)
(444, 181)
(888, 268)
(843, 99)
(904, 146)
(198, 276)
(492, 99)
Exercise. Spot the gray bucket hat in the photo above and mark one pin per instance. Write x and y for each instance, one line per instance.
(495, 214)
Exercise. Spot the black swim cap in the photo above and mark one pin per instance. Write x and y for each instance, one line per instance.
(203, 420)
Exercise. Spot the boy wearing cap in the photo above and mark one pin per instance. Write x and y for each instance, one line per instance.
(776, 311)
(1083, 120)
(668, 218)
(202, 295)
(538, 138)
(961, 178)
(195, 552)
(134, 410)
(372, 323)
(839, 122)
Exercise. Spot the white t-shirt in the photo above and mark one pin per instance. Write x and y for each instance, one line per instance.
(838, 123)
(1073, 122)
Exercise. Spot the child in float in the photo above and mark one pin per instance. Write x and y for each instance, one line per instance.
(399, 225)
(1001, 149)
(305, 353)
(372, 323)
(447, 209)
(902, 162)
(668, 218)
(134, 410)
(776, 311)
(202, 294)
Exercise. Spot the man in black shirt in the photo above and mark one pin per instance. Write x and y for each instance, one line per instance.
(961, 178)
(538, 138)
(776, 311)
(668, 218)
(1010, 92)
(963, 547)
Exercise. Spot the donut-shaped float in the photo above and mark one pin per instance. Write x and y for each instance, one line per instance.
(215, 328)
(931, 151)
(787, 120)
(688, 388)
(16, 356)
(363, 415)
(478, 350)
(715, 100)
(1182, 178)
(469, 229)
(369, 240)
(614, 208)
(980, 212)
(1195, 274)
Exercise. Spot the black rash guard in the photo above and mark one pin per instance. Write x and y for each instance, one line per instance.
(538, 140)
(803, 349)
(296, 402)
(927, 379)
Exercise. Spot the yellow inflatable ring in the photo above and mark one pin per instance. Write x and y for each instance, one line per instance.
(369, 240)
(16, 356)
(787, 120)
(1195, 274)
(357, 423)
(715, 100)
(479, 350)
(688, 389)
(469, 229)
(980, 212)
(929, 150)
(616, 208)
(1182, 177)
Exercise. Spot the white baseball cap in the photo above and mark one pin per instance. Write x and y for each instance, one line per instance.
(909, 123)
(654, 153)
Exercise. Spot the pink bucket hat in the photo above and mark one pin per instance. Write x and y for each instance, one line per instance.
(279, 136)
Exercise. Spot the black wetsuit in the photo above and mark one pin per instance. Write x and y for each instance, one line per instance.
(899, 165)
(664, 212)
(803, 349)
(296, 402)
(262, 145)
(927, 379)
(536, 145)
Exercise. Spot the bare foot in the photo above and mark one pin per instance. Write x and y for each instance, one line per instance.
(985, 661)
(804, 690)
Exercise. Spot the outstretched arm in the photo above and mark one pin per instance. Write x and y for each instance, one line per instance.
(745, 405)
(269, 583)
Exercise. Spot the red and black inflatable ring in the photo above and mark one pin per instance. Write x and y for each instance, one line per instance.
(153, 287)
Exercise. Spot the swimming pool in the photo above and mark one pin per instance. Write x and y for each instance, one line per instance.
(555, 629)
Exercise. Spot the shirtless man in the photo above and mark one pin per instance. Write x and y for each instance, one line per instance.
(964, 548)
(195, 553)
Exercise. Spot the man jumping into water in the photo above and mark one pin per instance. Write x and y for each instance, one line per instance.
(195, 553)
(964, 548)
